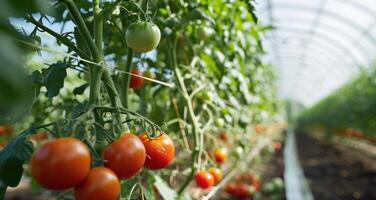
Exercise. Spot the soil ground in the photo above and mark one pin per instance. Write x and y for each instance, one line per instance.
(336, 172)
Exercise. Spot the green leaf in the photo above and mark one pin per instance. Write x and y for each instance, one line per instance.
(12, 158)
(81, 89)
(149, 191)
(166, 192)
(198, 14)
(54, 78)
(252, 9)
(126, 186)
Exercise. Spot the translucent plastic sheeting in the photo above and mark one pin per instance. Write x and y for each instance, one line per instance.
(318, 45)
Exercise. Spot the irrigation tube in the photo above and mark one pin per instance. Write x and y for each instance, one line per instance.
(295, 183)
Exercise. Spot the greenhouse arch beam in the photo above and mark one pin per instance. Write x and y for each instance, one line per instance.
(321, 36)
(327, 59)
(329, 45)
(350, 23)
(294, 61)
(340, 33)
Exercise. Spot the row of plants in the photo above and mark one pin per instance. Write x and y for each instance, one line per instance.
(151, 99)
(349, 111)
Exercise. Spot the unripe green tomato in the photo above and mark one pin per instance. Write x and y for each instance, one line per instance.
(219, 122)
(148, 74)
(278, 184)
(142, 36)
(268, 188)
(239, 152)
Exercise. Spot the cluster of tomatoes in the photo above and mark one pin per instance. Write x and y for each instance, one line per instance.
(207, 178)
(273, 187)
(243, 186)
(65, 163)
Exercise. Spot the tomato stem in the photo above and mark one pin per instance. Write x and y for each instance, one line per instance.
(126, 79)
(192, 116)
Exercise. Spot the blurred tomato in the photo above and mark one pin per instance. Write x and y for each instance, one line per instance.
(204, 179)
(277, 146)
(223, 136)
(230, 188)
(135, 81)
(220, 155)
(216, 173)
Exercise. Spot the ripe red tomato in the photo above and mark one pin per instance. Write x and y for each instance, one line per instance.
(277, 146)
(220, 155)
(242, 191)
(135, 81)
(100, 184)
(142, 36)
(60, 163)
(216, 173)
(230, 187)
(2, 130)
(160, 151)
(204, 179)
(253, 179)
(125, 156)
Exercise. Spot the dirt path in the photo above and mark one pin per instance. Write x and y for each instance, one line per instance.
(335, 172)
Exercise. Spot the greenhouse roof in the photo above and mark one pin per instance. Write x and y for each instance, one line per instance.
(317, 45)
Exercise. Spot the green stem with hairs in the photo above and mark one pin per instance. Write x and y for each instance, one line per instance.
(125, 79)
(95, 70)
(192, 116)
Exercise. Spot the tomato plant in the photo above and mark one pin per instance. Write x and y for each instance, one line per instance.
(100, 183)
(60, 163)
(78, 85)
(159, 151)
(125, 156)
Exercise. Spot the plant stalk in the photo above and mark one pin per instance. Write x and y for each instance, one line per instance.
(125, 79)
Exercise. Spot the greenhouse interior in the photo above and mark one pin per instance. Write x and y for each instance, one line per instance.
(188, 100)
